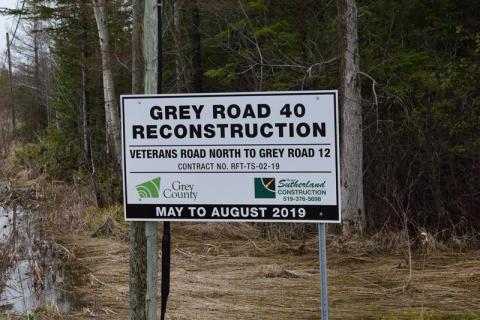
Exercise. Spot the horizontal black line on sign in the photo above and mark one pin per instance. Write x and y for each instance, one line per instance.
(230, 172)
(228, 145)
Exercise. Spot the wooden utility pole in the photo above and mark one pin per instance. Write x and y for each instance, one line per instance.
(353, 208)
(138, 239)
(10, 80)
(152, 83)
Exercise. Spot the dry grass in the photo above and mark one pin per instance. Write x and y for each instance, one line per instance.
(219, 278)
(228, 271)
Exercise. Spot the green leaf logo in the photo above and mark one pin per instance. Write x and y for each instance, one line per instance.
(265, 188)
(149, 189)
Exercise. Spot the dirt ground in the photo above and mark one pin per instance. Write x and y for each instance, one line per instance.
(242, 279)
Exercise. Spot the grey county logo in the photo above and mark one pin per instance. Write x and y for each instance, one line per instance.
(149, 189)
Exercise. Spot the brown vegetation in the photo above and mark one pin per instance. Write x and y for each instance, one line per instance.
(217, 277)
(257, 271)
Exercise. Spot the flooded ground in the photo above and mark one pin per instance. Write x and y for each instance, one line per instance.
(32, 277)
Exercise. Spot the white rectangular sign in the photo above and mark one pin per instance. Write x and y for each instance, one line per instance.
(261, 156)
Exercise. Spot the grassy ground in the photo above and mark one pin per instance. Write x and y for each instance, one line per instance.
(241, 279)
(222, 271)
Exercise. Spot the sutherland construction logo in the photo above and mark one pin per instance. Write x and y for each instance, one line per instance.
(149, 189)
(265, 188)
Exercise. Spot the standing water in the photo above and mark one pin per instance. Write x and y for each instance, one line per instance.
(31, 277)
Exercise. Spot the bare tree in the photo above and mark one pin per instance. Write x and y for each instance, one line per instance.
(353, 209)
(85, 93)
(85, 121)
(112, 119)
(10, 82)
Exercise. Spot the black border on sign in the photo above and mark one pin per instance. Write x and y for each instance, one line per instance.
(312, 212)
(337, 207)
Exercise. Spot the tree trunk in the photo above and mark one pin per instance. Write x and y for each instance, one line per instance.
(196, 49)
(178, 46)
(138, 271)
(138, 62)
(353, 210)
(36, 92)
(303, 28)
(48, 92)
(112, 119)
(4, 141)
(85, 93)
(40, 111)
(86, 136)
(138, 239)
(10, 82)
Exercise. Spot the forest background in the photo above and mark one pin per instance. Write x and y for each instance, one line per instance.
(419, 75)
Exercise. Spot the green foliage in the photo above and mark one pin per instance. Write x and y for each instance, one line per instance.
(54, 155)
(224, 74)
(421, 114)
(110, 185)
(95, 217)
(261, 45)
(425, 63)
(56, 149)
(257, 6)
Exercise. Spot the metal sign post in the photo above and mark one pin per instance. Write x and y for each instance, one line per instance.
(322, 252)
